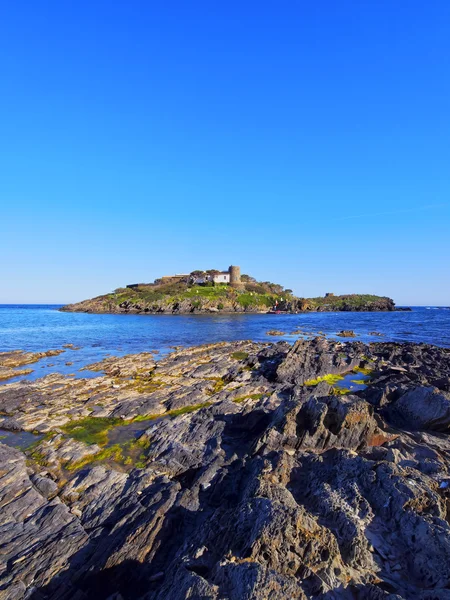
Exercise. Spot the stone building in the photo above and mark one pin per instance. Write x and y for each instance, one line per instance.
(220, 277)
(235, 276)
(231, 277)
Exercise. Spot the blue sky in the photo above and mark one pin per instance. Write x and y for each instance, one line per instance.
(308, 142)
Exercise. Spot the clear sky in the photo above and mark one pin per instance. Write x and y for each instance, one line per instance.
(307, 141)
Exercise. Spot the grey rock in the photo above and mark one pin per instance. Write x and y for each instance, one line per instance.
(309, 360)
(249, 484)
(422, 408)
(46, 486)
(38, 537)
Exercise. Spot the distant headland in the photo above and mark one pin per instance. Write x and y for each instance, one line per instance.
(215, 291)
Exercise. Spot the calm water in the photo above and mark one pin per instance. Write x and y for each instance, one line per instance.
(38, 327)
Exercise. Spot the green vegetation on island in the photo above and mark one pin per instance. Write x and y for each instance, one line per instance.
(221, 291)
(347, 302)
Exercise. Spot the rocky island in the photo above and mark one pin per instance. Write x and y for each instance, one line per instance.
(220, 291)
(238, 471)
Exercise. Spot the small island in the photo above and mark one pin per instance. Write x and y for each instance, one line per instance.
(215, 291)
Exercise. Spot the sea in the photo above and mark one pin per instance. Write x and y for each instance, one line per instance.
(43, 327)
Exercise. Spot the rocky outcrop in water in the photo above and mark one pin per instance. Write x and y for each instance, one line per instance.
(235, 470)
(345, 303)
(10, 362)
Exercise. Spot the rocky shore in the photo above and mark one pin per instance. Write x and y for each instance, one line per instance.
(230, 471)
(11, 363)
(168, 306)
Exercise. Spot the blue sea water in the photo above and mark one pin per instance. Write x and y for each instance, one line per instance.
(43, 327)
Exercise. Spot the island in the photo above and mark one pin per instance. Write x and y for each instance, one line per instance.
(215, 291)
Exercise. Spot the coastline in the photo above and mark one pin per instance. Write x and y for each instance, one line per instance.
(242, 437)
(211, 311)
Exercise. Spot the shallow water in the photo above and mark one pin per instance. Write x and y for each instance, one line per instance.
(41, 327)
(130, 431)
(18, 439)
(353, 382)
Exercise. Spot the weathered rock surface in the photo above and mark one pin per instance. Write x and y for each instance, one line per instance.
(10, 373)
(312, 359)
(243, 480)
(18, 358)
(423, 408)
(37, 535)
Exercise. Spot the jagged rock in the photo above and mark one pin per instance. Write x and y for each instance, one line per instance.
(247, 483)
(308, 360)
(422, 408)
(38, 537)
(321, 423)
(46, 486)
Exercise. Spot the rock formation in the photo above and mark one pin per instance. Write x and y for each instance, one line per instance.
(9, 361)
(231, 471)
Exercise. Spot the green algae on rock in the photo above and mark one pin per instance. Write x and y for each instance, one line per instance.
(91, 430)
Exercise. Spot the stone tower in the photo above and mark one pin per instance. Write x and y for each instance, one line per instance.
(235, 276)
